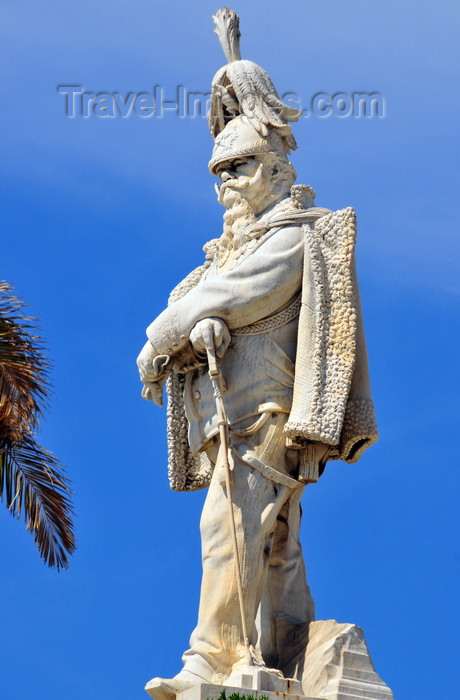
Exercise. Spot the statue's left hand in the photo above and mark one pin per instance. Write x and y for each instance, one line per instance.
(210, 333)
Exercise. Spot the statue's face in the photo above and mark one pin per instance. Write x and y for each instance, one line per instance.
(248, 177)
(240, 167)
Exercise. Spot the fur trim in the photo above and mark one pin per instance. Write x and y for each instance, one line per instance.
(359, 429)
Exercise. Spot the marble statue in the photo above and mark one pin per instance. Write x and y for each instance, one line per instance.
(268, 329)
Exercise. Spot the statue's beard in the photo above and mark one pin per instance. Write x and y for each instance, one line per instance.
(239, 215)
(237, 220)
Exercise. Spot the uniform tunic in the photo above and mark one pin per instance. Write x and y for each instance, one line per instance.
(258, 370)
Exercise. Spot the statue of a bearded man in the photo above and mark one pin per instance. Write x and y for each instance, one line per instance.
(277, 303)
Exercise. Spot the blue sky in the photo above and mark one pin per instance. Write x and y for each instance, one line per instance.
(101, 217)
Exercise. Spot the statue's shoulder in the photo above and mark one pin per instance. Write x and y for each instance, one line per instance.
(313, 214)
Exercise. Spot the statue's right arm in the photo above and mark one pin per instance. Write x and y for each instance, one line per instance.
(260, 285)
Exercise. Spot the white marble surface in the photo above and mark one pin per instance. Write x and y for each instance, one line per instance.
(264, 355)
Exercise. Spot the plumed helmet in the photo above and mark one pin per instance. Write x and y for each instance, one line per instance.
(243, 87)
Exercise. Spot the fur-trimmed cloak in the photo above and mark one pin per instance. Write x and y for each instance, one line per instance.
(332, 398)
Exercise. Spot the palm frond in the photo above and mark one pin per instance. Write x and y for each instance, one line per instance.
(31, 479)
(32, 483)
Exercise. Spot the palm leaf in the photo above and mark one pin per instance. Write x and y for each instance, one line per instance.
(31, 480)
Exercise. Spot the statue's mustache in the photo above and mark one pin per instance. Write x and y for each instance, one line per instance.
(239, 184)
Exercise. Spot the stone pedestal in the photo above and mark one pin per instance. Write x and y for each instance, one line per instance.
(333, 664)
(258, 682)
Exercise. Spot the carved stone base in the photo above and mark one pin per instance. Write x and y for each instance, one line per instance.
(338, 665)
(333, 664)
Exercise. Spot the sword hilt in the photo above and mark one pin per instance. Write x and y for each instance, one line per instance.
(214, 371)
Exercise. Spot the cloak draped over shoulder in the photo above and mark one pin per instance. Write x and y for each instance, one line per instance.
(331, 396)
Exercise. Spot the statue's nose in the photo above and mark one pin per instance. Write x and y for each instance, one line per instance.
(225, 175)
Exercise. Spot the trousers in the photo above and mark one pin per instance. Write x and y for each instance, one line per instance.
(267, 518)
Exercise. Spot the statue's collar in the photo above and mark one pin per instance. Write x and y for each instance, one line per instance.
(295, 210)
